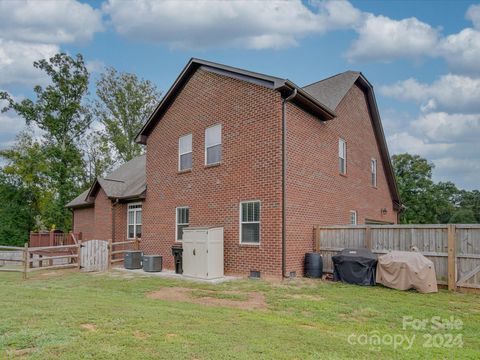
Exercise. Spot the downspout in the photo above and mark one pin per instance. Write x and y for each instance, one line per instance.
(284, 180)
(114, 203)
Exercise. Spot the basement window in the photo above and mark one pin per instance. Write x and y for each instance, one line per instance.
(181, 222)
(134, 220)
(213, 145)
(250, 222)
(185, 153)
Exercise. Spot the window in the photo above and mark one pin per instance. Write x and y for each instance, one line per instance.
(213, 145)
(373, 166)
(250, 222)
(342, 156)
(185, 152)
(134, 221)
(181, 222)
(353, 217)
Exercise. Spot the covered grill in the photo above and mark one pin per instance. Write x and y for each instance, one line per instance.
(355, 266)
(405, 270)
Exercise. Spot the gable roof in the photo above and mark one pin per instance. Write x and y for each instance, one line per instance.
(284, 86)
(126, 182)
(320, 98)
(332, 90)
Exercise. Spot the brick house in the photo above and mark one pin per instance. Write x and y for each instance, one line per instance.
(256, 154)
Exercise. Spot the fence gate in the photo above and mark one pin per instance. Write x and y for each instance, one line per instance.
(94, 255)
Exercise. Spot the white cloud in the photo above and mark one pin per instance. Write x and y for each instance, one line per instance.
(16, 62)
(10, 126)
(384, 39)
(448, 128)
(452, 93)
(252, 24)
(462, 51)
(48, 21)
(473, 14)
(407, 142)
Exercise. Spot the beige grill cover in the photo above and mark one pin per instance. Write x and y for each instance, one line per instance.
(404, 270)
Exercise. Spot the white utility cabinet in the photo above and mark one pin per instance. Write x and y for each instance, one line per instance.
(203, 252)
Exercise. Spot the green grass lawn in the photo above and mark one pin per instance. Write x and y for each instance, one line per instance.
(72, 315)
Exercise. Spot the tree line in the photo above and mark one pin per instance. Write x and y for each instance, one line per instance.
(73, 137)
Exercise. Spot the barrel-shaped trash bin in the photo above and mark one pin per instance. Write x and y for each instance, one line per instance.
(313, 265)
(132, 260)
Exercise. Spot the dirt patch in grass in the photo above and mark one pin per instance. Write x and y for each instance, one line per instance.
(233, 299)
(20, 352)
(140, 335)
(89, 327)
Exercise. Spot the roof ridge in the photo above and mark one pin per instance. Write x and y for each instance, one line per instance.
(332, 76)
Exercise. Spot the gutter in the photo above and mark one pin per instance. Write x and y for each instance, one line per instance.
(284, 180)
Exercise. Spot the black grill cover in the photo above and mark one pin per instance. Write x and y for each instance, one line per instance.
(355, 266)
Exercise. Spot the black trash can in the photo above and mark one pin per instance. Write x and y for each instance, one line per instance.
(177, 252)
(313, 266)
(132, 260)
(152, 263)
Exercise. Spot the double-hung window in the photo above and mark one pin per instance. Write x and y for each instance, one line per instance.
(134, 221)
(353, 217)
(373, 166)
(250, 222)
(213, 144)
(342, 156)
(185, 152)
(181, 222)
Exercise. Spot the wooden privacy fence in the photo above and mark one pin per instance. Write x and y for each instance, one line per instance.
(91, 255)
(454, 249)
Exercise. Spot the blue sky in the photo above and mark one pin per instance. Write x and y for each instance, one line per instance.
(423, 57)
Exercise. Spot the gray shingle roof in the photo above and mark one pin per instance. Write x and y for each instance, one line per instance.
(127, 181)
(332, 90)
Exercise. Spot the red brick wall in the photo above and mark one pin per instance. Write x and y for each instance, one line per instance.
(316, 193)
(103, 216)
(84, 222)
(251, 170)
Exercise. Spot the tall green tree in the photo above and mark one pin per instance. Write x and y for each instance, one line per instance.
(124, 103)
(27, 167)
(18, 218)
(59, 112)
(417, 190)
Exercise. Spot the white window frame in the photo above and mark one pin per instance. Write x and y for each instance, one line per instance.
(177, 223)
(343, 143)
(355, 216)
(259, 222)
(135, 224)
(373, 172)
(212, 145)
(185, 153)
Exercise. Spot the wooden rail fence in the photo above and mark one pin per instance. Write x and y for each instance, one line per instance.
(74, 254)
(454, 249)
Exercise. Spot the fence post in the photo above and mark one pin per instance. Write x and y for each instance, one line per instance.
(316, 238)
(452, 258)
(25, 261)
(79, 255)
(368, 237)
(110, 249)
(50, 239)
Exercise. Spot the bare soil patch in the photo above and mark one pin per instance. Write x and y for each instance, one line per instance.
(253, 301)
(89, 327)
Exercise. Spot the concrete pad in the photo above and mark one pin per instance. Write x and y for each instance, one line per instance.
(170, 274)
